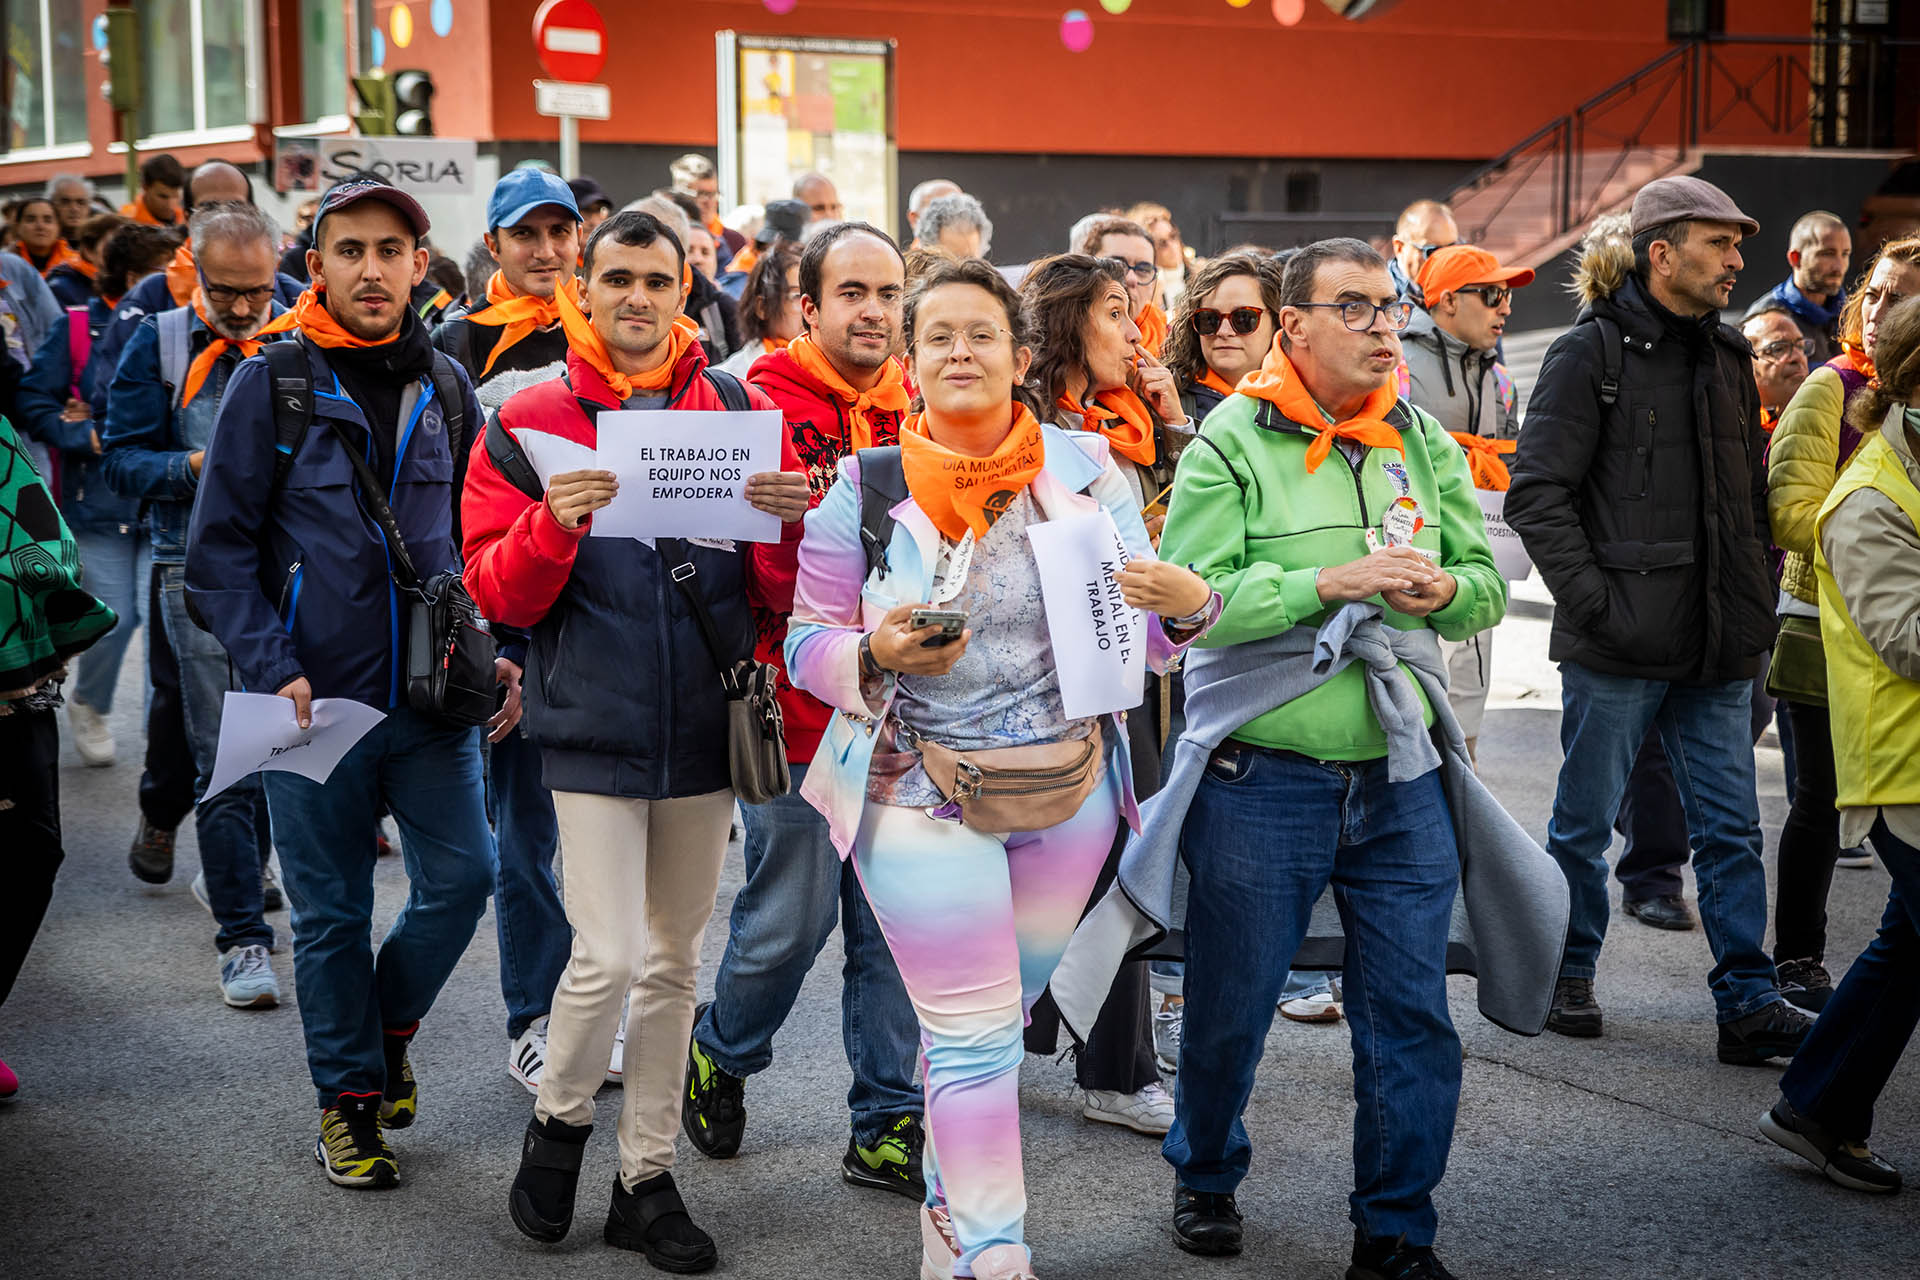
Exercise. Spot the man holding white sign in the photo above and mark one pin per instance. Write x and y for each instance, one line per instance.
(625, 701)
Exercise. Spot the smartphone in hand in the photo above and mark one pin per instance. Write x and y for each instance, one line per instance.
(952, 622)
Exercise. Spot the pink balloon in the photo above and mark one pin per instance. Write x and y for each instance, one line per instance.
(1289, 12)
(1076, 30)
(779, 6)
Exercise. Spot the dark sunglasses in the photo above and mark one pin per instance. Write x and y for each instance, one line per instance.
(1491, 294)
(1206, 321)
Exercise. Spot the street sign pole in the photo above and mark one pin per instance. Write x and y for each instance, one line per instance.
(570, 39)
(569, 146)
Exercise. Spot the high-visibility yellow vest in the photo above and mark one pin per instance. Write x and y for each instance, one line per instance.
(1875, 712)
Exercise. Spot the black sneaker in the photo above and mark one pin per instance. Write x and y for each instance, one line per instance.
(541, 1203)
(1773, 1032)
(713, 1110)
(892, 1163)
(1806, 984)
(400, 1101)
(1575, 1012)
(351, 1147)
(1849, 1164)
(653, 1219)
(1392, 1258)
(1668, 911)
(1207, 1223)
(151, 858)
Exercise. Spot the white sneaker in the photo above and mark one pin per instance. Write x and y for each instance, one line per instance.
(1858, 858)
(246, 979)
(91, 737)
(1318, 1007)
(1148, 1110)
(527, 1056)
(617, 1062)
(1169, 1028)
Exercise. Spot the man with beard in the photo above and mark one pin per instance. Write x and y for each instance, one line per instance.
(290, 571)
(1819, 249)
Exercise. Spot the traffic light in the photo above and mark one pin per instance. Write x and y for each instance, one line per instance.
(413, 104)
(375, 112)
(122, 57)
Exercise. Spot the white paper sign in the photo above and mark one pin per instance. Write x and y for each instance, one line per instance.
(683, 473)
(1509, 556)
(1099, 641)
(551, 455)
(258, 731)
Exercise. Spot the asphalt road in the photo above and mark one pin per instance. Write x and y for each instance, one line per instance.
(160, 1134)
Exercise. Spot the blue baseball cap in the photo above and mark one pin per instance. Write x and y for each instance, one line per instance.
(522, 191)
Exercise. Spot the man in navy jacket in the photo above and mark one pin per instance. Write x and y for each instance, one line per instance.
(291, 573)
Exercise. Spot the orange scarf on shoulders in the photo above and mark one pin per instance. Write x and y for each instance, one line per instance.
(220, 344)
(717, 229)
(62, 256)
(316, 323)
(517, 314)
(183, 278)
(888, 395)
(1483, 459)
(1276, 382)
(138, 211)
(961, 492)
(1120, 416)
(1214, 380)
(1855, 357)
(584, 341)
(743, 261)
(1153, 329)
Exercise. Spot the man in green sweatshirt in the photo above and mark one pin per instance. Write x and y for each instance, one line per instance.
(1312, 487)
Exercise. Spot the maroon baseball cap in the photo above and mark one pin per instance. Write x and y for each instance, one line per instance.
(358, 190)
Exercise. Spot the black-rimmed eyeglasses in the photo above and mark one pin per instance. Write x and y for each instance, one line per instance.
(1358, 314)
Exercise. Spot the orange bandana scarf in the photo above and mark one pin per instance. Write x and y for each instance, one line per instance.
(717, 229)
(888, 395)
(959, 492)
(1276, 382)
(517, 314)
(584, 341)
(1153, 329)
(1483, 459)
(311, 317)
(64, 256)
(1218, 383)
(743, 261)
(1122, 418)
(138, 211)
(203, 363)
(1854, 357)
(183, 278)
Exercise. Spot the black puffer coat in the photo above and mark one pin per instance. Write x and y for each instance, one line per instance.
(1648, 516)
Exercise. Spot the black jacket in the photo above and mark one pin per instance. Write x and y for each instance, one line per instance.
(1648, 517)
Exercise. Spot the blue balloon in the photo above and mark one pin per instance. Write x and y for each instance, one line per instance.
(379, 49)
(100, 33)
(440, 13)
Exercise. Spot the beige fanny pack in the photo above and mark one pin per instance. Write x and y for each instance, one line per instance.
(1026, 788)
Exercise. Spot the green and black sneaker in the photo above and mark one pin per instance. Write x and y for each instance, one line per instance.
(400, 1101)
(713, 1111)
(892, 1163)
(351, 1147)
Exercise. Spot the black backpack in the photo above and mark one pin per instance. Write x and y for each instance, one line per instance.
(293, 406)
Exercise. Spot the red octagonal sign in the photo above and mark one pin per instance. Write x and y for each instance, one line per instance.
(571, 39)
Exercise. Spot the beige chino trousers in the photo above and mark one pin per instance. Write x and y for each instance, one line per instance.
(639, 879)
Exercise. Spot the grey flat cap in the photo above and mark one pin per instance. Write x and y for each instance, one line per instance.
(1686, 199)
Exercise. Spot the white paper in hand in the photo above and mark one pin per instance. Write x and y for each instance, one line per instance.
(1509, 554)
(1099, 640)
(683, 473)
(553, 455)
(258, 731)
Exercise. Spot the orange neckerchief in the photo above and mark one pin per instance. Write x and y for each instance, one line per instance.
(63, 256)
(203, 363)
(311, 317)
(1769, 419)
(1214, 380)
(1153, 329)
(1276, 382)
(959, 492)
(138, 211)
(1483, 459)
(183, 278)
(517, 314)
(717, 229)
(1856, 358)
(743, 261)
(1122, 418)
(889, 394)
(585, 342)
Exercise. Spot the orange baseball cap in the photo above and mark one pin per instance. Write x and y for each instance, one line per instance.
(1459, 265)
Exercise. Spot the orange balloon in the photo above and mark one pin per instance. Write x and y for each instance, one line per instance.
(1289, 12)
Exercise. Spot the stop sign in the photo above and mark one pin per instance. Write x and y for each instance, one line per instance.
(571, 39)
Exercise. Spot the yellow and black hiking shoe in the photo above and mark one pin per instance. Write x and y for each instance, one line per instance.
(892, 1163)
(400, 1101)
(713, 1110)
(351, 1147)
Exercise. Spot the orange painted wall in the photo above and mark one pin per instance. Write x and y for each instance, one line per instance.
(1433, 79)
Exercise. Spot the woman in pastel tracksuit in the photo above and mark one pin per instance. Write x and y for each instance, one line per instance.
(976, 921)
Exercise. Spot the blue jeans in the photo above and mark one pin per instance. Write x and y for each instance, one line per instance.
(230, 840)
(535, 938)
(114, 568)
(1706, 731)
(1266, 835)
(428, 776)
(797, 889)
(1847, 1059)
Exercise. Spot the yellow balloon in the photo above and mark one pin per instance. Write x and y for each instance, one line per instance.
(1239, 4)
(401, 25)
(1116, 6)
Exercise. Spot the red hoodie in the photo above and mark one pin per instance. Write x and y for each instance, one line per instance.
(818, 432)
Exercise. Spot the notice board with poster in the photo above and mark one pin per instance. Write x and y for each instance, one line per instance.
(793, 103)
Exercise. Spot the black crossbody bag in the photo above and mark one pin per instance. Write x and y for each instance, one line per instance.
(449, 647)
